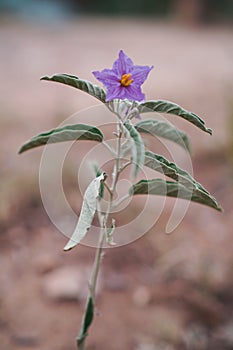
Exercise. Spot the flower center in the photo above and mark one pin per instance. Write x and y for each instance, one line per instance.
(125, 79)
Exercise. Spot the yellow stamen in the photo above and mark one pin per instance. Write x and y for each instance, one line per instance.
(125, 80)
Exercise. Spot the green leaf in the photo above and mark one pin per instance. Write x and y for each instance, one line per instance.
(165, 130)
(67, 133)
(87, 321)
(84, 85)
(173, 189)
(163, 166)
(89, 314)
(172, 108)
(138, 148)
(87, 212)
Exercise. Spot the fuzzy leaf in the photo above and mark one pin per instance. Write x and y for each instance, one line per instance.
(165, 130)
(87, 321)
(67, 133)
(172, 108)
(87, 212)
(138, 148)
(84, 85)
(163, 166)
(173, 189)
(126, 148)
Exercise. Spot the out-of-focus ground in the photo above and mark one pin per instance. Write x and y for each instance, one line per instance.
(162, 291)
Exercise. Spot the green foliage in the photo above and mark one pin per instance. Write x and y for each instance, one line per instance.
(183, 178)
(67, 133)
(138, 148)
(87, 212)
(162, 165)
(161, 187)
(168, 107)
(165, 130)
(84, 85)
(87, 321)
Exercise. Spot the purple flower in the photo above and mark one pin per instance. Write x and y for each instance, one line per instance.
(124, 80)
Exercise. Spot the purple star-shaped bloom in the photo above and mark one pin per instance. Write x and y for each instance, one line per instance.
(124, 80)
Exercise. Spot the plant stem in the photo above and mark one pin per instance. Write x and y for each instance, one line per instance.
(121, 200)
(117, 161)
(97, 261)
(80, 340)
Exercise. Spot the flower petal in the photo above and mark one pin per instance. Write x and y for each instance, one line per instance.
(114, 92)
(106, 76)
(127, 88)
(123, 64)
(134, 93)
(140, 73)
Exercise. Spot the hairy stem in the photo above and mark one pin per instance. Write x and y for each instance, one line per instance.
(103, 219)
(97, 261)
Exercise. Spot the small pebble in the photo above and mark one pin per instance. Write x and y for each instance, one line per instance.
(69, 283)
(142, 296)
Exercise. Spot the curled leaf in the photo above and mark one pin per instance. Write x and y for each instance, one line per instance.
(161, 187)
(87, 212)
(165, 130)
(173, 108)
(84, 85)
(66, 133)
(137, 148)
(163, 166)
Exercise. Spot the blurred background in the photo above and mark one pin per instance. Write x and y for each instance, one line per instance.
(162, 292)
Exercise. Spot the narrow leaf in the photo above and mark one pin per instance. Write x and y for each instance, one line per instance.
(87, 321)
(172, 108)
(84, 85)
(67, 133)
(126, 148)
(87, 212)
(165, 130)
(138, 148)
(163, 166)
(89, 314)
(173, 189)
